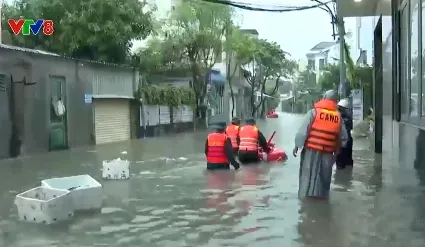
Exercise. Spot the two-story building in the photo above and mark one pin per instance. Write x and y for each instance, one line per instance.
(320, 55)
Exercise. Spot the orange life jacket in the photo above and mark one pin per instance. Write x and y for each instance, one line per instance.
(216, 153)
(232, 132)
(248, 136)
(326, 127)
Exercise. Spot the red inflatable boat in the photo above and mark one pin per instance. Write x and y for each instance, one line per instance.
(276, 154)
(272, 115)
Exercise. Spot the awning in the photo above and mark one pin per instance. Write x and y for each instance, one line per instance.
(216, 78)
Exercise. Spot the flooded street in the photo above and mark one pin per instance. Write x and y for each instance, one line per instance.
(171, 201)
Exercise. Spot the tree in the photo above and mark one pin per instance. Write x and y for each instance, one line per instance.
(95, 29)
(330, 78)
(196, 31)
(239, 48)
(286, 87)
(306, 80)
(268, 61)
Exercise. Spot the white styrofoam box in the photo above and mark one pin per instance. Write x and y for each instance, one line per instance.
(44, 205)
(116, 169)
(85, 191)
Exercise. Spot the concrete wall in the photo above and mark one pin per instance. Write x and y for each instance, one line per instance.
(33, 102)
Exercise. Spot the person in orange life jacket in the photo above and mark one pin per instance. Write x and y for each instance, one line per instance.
(232, 132)
(251, 139)
(218, 150)
(320, 136)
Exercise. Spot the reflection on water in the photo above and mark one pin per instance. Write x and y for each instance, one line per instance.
(171, 200)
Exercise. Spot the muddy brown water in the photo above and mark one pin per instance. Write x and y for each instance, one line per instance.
(171, 201)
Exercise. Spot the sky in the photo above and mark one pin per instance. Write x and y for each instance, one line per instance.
(296, 32)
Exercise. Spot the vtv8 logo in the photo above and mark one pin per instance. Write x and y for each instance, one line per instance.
(29, 26)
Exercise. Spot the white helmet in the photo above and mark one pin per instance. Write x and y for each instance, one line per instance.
(344, 103)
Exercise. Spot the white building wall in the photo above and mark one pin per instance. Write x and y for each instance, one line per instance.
(364, 41)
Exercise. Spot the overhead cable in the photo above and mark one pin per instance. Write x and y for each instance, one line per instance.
(252, 7)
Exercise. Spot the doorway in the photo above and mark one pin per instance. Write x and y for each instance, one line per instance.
(378, 85)
(58, 136)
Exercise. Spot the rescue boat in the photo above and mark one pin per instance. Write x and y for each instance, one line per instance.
(276, 153)
(272, 115)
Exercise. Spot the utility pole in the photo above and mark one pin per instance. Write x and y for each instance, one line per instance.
(339, 21)
(343, 83)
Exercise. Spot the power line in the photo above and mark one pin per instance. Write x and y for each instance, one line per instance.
(275, 8)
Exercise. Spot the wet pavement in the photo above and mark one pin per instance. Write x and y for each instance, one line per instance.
(171, 201)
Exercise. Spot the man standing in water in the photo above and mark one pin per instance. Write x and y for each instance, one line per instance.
(219, 151)
(232, 131)
(345, 155)
(320, 137)
(251, 139)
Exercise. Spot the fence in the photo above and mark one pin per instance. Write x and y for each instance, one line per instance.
(159, 115)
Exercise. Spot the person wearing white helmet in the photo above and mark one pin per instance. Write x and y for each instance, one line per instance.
(320, 137)
(345, 155)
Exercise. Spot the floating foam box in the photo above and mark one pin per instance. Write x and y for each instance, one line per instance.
(44, 205)
(116, 169)
(85, 191)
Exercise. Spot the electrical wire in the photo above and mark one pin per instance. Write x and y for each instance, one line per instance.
(252, 7)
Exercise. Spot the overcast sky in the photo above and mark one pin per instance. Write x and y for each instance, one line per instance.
(296, 32)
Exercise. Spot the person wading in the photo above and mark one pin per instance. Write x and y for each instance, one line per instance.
(232, 132)
(218, 150)
(345, 155)
(250, 140)
(320, 137)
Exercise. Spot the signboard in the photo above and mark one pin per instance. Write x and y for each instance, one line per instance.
(88, 98)
(357, 105)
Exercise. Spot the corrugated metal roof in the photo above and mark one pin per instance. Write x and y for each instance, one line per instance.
(17, 48)
(322, 45)
(45, 53)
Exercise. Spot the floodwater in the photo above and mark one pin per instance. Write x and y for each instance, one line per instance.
(171, 201)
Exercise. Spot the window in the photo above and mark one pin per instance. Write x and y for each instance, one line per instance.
(321, 64)
(404, 61)
(2, 83)
(421, 60)
(311, 65)
(414, 59)
(57, 92)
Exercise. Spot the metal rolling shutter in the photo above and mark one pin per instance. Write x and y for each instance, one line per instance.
(112, 120)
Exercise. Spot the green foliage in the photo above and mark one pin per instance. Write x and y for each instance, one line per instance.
(240, 46)
(286, 87)
(272, 103)
(191, 40)
(330, 77)
(306, 80)
(95, 29)
(160, 58)
(165, 95)
(270, 62)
